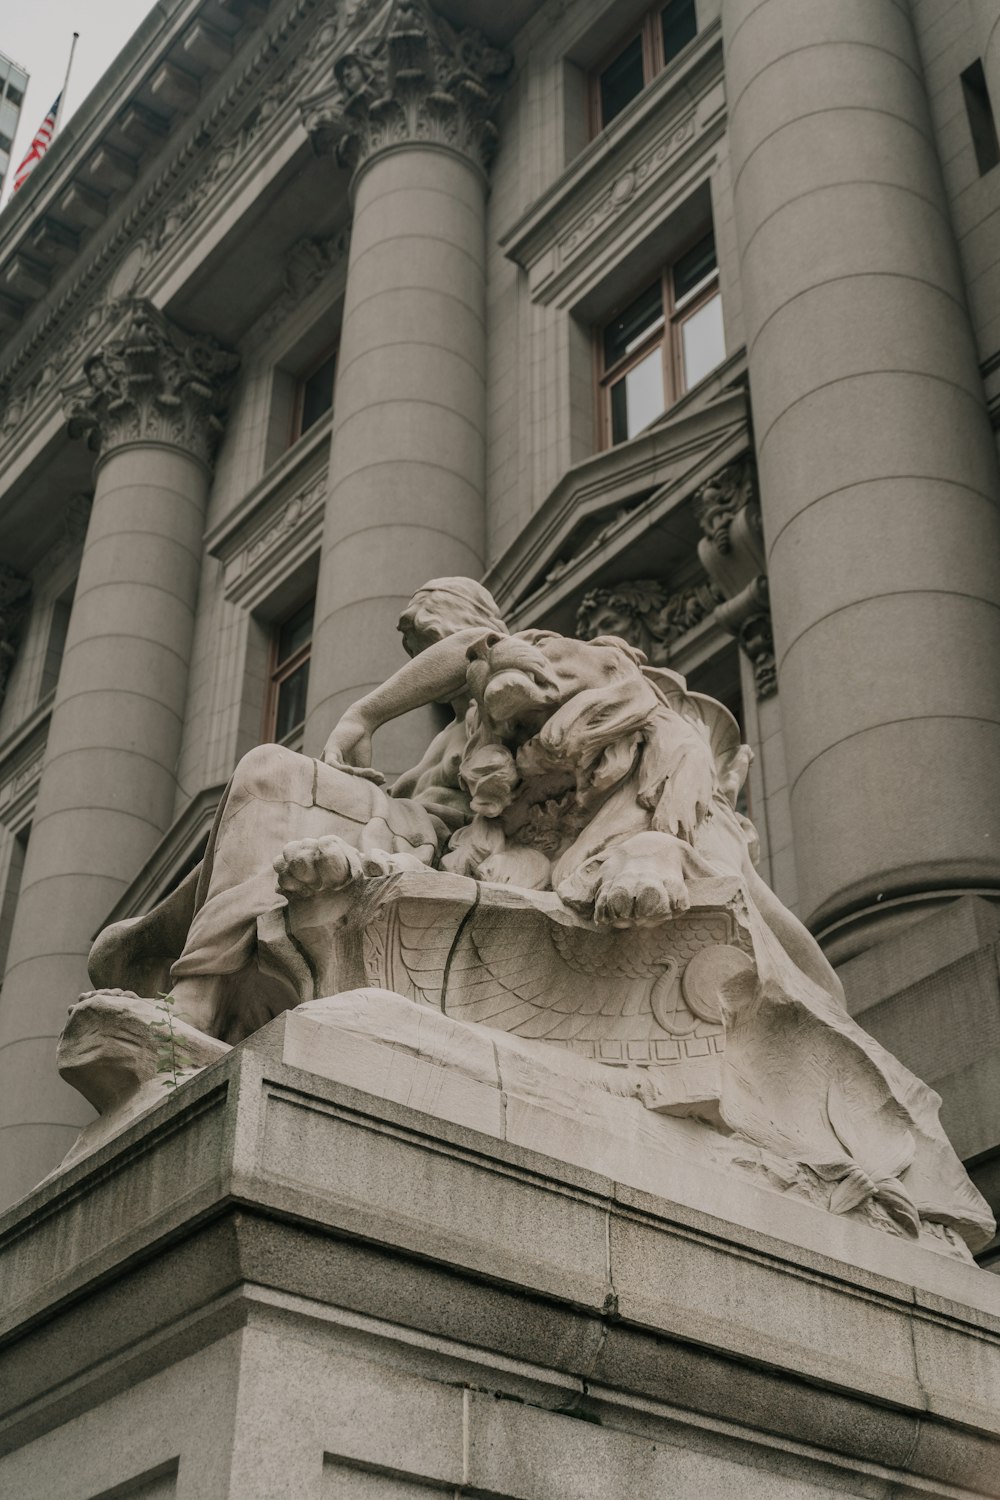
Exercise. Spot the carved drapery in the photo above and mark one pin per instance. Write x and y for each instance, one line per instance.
(415, 80)
(15, 593)
(153, 383)
(732, 553)
(646, 614)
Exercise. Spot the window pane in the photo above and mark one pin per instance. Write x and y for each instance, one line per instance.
(296, 632)
(631, 326)
(14, 94)
(317, 392)
(291, 706)
(694, 266)
(637, 399)
(680, 26)
(703, 341)
(620, 82)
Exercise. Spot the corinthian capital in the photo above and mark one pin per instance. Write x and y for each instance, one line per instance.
(414, 80)
(152, 383)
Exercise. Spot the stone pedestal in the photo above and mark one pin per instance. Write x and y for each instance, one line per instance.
(878, 469)
(275, 1283)
(151, 402)
(407, 478)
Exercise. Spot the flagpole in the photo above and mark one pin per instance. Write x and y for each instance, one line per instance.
(62, 96)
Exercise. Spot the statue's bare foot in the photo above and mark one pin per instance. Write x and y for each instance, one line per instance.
(309, 866)
(102, 995)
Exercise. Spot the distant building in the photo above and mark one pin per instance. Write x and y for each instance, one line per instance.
(13, 85)
(677, 321)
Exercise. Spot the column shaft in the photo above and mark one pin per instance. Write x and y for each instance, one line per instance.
(407, 456)
(878, 472)
(107, 789)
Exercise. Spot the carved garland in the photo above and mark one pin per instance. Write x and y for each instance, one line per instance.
(646, 614)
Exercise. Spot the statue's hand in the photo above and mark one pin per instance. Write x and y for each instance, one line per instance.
(349, 748)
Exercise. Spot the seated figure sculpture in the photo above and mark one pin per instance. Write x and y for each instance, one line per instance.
(567, 864)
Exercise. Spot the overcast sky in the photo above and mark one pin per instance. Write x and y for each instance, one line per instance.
(37, 35)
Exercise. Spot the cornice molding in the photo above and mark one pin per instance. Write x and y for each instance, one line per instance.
(413, 80)
(34, 367)
(153, 383)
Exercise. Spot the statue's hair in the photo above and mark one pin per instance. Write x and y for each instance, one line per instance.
(451, 604)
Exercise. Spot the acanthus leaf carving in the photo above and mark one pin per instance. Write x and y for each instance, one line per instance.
(731, 551)
(152, 382)
(415, 79)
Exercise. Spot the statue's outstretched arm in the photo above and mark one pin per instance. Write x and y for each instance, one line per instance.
(436, 675)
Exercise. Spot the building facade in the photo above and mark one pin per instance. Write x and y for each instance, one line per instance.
(13, 84)
(680, 323)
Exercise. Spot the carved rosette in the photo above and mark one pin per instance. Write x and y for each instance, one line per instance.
(646, 614)
(732, 553)
(415, 80)
(153, 383)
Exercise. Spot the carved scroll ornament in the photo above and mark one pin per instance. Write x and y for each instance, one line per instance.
(153, 383)
(416, 79)
(732, 553)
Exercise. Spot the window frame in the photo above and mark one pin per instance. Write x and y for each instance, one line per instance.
(331, 351)
(279, 671)
(667, 334)
(649, 27)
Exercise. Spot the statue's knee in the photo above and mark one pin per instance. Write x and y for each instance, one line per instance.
(267, 770)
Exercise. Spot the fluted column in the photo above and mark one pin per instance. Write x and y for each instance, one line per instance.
(411, 115)
(878, 473)
(151, 401)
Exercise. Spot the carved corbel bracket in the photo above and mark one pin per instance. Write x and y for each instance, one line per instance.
(415, 80)
(732, 553)
(152, 383)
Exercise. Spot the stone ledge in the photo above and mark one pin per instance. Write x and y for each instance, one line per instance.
(261, 1175)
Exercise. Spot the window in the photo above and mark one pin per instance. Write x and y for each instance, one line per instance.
(662, 343)
(15, 95)
(314, 397)
(981, 121)
(290, 652)
(662, 34)
(5, 142)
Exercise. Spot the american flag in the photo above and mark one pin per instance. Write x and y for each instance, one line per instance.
(39, 146)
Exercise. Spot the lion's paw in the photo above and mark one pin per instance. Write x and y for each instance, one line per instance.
(639, 898)
(309, 866)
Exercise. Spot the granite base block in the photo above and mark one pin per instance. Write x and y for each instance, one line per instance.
(277, 1284)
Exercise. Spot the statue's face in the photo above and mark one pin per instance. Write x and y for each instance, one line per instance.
(351, 76)
(609, 620)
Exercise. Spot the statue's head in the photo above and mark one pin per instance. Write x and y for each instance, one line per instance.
(443, 607)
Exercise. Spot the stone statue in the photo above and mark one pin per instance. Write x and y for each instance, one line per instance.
(566, 865)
